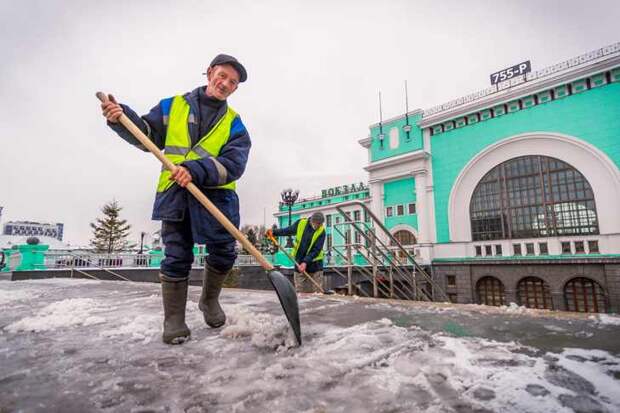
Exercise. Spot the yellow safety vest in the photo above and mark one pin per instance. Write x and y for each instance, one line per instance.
(178, 142)
(300, 232)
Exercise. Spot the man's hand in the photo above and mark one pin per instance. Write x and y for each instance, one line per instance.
(181, 176)
(302, 267)
(269, 233)
(111, 109)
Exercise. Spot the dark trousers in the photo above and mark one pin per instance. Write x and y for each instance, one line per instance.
(178, 250)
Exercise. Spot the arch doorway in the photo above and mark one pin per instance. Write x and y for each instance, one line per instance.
(533, 292)
(490, 291)
(585, 296)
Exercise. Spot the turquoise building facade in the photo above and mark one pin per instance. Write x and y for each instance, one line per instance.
(509, 194)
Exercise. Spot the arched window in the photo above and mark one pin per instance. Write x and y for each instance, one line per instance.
(490, 291)
(532, 196)
(532, 292)
(405, 237)
(585, 295)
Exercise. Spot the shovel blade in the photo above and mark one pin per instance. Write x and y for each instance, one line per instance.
(288, 300)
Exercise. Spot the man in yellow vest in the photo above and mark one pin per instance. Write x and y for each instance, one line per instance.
(201, 134)
(307, 250)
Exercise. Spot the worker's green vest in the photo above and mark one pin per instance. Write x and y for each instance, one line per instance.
(178, 146)
(300, 232)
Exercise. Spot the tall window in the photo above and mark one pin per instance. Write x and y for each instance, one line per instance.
(532, 196)
(405, 237)
(328, 220)
(356, 216)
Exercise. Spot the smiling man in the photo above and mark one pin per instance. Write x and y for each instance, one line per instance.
(201, 134)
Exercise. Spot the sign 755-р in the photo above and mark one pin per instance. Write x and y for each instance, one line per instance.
(509, 73)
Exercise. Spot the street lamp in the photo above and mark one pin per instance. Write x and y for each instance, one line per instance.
(142, 234)
(288, 198)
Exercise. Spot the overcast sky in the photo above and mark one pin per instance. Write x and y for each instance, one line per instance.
(314, 71)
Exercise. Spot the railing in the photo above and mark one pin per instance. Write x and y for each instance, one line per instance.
(71, 260)
(390, 268)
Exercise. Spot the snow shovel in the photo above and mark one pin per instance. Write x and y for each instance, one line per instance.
(284, 288)
(290, 257)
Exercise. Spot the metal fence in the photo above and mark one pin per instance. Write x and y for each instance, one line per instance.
(81, 260)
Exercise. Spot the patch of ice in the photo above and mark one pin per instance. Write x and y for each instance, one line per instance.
(475, 361)
(584, 334)
(142, 327)
(609, 319)
(514, 308)
(382, 306)
(66, 313)
(592, 366)
(264, 330)
(63, 282)
(555, 329)
(378, 365)
(322, 307)
(7, 296)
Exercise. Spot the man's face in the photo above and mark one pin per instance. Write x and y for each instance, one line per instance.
(315, 225)
(223, 81)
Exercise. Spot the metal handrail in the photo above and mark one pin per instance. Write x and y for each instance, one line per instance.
(402, 274)
(365, 273)
(435, 286)
(106, 261)
(346, 278)
(100, 268)
(363, 269)
(390, 261)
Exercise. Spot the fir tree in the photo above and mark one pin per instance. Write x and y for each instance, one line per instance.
(109, 232)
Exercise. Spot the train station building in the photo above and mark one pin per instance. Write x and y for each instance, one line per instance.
(509, 194)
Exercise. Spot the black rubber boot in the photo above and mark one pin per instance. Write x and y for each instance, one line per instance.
(174, 294)
(209, 305)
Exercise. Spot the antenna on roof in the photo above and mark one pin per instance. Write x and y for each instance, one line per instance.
(381, 135)
(407, 127)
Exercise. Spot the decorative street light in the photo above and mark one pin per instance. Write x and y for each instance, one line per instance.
(142, 234)
(288, 198)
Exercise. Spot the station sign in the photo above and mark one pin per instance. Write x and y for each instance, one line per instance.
(507, 74)
(344, 189)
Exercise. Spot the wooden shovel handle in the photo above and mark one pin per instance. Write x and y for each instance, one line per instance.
(148, 144)
(290, 257)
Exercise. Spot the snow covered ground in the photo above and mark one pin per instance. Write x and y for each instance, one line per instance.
(81, 346)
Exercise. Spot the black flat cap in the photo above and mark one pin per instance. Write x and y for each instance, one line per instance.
(222, 59)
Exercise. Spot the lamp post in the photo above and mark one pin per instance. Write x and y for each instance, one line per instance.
(289, 197)
(142, 234)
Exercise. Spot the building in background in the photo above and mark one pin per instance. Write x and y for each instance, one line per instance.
(510, 194)
(28, 228)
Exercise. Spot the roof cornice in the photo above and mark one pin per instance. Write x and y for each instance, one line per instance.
(397, 160)
(520, 90)
(365, 142)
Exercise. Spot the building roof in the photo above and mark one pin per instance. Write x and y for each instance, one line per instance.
(7, 241)
(593, 61)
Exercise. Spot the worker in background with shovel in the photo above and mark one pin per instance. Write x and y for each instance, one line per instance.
(208, 143)
(307, 251)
